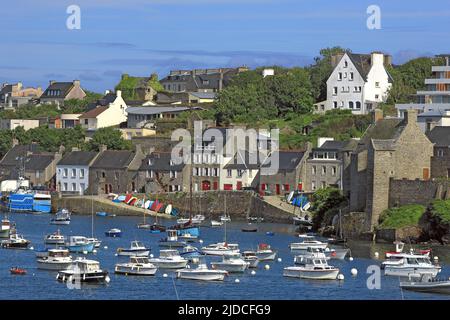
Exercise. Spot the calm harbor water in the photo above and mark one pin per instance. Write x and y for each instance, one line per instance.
(266, 284)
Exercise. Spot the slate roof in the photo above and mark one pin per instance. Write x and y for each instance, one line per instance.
(244, 160)
(440, 136)
(11, 157)
(113, 159)
(287, 160)
(363, 64)
(38, 162)
(80, 158)
(383, 144)
(160, 161)
(93, 113)
(388, 128)
(202, 81)
(63, 88)
(104, 101)
(332, 145)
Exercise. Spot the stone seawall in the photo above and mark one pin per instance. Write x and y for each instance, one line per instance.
(402, 192)
(239, 205)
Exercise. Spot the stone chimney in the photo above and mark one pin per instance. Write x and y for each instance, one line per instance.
(76, 83)
(119, 93)
(411, 116)
(387, 60)
(335, 58)
(102, 148)
(377, 58)
(52, 82)
(377, 114)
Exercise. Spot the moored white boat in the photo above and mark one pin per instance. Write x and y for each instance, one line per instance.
(169, 259)
(231, 263)
(410, 265)
(427, 283)
(137, 266)
(251, 258)
(171, 240)
(202, 273)
(215, 223)
(56, 259)
(308, 241)
(225, 218)
(97, 243)
(113, 233)
(83, 270)
(221, 248)
(265, 253)
(15, 241)
(79, 244)
(197, 219)
(62, 217)
(317, 269)
(136, 248)
(55, 238)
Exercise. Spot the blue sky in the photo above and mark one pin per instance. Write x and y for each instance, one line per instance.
(144, 36)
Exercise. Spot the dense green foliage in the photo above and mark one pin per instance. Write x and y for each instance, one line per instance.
(325, 203)
(128, 86)
(111, 137)
(441, 208)
(404, 216)
(250, 97)
(409, 78)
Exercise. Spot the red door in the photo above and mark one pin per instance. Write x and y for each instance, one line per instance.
(239, 185)
(215, 185)
(227, 187)
(286, 187)
(299, 187)
(277, 186)
(206, 185)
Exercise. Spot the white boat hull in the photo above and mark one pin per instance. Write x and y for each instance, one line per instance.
(215, 252)
(169, 264)
(56, 266)
(201, 275)
(338, 254)
(252, 263)
(229, 267)
(266, 256)
(135, 271)
(304, 246)
(301, 273)
(402, 271)
(442, 287)
(130, 253)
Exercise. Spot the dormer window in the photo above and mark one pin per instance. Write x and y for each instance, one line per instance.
(150, 162)
(345, 63)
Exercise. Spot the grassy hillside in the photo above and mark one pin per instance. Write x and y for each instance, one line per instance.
(404, 216)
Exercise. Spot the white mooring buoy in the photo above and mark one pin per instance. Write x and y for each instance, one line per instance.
(267, 267)
(253, 272)
(165, 275)
(376, 254)
(105, 247)
(350, 259)
(151, 255)
(279, 260)
(354, 272)
(340, 276)
(94, 251)
(237, 281)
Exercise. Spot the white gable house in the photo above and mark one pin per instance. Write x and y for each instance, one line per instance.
(358, 82)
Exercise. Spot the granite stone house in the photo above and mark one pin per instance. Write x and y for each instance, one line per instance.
(72, 171)
(158, 173)
(28, 162)
(289, 175)
(115, 171)
(58, 92)
(440, 162)
(391, 148)
(15, 95)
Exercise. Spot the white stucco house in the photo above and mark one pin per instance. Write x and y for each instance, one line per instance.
(240, 171)
(72, 172)
(358, 82)
(106, 112)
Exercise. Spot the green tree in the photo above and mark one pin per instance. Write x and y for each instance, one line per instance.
(324, 201)
(5, 141)
(111, 137)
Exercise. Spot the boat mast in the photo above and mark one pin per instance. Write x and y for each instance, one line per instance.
(92, 214)
(340, 223)
(225, 222)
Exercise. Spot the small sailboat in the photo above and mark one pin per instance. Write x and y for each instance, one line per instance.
(62, 217)
(137, 266)
(250, 257)
(97, 243)
(144, 224)
(136, 248)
